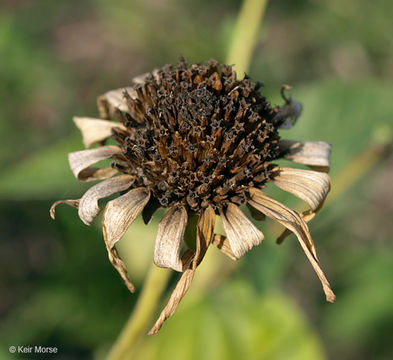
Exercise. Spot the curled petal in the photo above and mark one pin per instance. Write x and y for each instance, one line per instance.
(191, 259)
(73, 203)
(121, 212)
(315, 154)
(112, 100)
(222, 243)
(95, 130)
(309, 186)
(88, 205)
(241, 232)
(292, 221)
(307, 216)
(81, 160)
(169, 239)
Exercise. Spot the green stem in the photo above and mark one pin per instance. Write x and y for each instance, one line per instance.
(240, 52)
(145, 308)
(245, 34)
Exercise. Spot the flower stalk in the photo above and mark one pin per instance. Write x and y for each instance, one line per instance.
(245, 34)
(240, 53)
(136, 326)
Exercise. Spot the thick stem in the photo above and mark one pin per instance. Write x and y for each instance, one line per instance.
(245, 34)
(138, 323)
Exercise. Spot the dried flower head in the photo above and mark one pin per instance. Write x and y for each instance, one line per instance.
(196, 141)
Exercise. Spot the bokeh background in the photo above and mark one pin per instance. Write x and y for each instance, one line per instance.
(57, 287)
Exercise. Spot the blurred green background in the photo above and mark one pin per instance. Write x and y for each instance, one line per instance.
(57, 287)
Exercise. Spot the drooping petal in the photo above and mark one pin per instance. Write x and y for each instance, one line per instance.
(169, 238)
(121, 212)
(315, 154)
(81, 160)
(241, 232)
(205, 234)
(112, 100)
(177, 295)
(222, 243)
(95, 130)
(291, 220)
(309, 186)
(88, 205)
(118, 216)
(119, 265)
(191, 259)
(74, 203)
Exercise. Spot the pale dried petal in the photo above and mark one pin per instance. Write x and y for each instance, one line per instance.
(177, 295)
(121, 212)
(291, 220)
(307, 216)
(222, 243)
(141, 79)
(241, 232)
(70, 202)
(191, 259)
(309, 186)
(315, 154)
(81, 160)
(112, 100)
(169, 239)
(88, 205)
(95, 130)
(119, 265)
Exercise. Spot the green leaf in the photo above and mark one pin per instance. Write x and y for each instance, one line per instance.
(43, 175)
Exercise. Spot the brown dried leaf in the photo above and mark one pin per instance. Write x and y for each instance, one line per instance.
(121, 212)
(291, 220)
(241, 232)
(95, 130)
(315, 154)
(73, 203)
(88, 205)
(81, 160)
(169, 239)
(112, 100)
